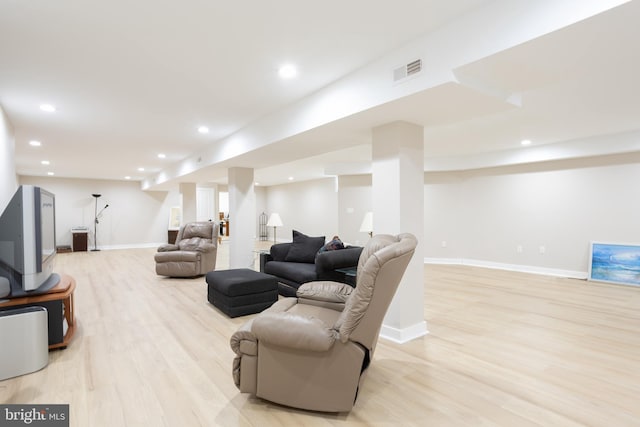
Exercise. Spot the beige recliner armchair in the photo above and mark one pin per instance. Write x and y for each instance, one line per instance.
(312, 351)
(193, 254)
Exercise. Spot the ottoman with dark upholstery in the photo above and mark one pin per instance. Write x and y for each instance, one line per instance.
(238, 292)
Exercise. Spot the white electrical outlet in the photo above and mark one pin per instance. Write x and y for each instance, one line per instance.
(519, 249)
(443, 244)
(542, 250)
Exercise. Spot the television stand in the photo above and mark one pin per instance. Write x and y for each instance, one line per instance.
(60, 310)
(47, 286)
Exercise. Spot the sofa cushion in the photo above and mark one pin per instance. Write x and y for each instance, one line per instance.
(304, 248)
(325, 291)
(279, 251)
(295, 271)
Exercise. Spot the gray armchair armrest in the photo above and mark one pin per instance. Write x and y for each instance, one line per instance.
(243, 341)
(245, 345)
(339, 258)
(328, 263)
(279, 251)
(168, 247)
(293, 331)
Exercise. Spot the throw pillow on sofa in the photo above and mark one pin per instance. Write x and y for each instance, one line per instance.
(304, 248)
(333, 245)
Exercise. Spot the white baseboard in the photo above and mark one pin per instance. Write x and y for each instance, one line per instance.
(446, 261)
(401, 336)
(510, 267)
(129, 246)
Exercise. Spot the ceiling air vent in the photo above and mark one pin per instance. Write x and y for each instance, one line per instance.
(401, 73)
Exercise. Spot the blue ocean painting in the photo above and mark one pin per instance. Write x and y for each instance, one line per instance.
(615, 263)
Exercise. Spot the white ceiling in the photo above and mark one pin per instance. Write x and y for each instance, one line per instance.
(133, 79)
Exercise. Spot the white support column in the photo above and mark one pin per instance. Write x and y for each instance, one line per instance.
(188, 202)
(242, 217)
(398, 207)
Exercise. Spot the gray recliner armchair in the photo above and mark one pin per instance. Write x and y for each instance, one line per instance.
(312, 351)
(193, 254)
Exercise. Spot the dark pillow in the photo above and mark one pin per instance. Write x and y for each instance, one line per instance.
(304, 248)
(333, 245)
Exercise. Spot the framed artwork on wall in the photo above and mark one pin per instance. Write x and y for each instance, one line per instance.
(615, 263)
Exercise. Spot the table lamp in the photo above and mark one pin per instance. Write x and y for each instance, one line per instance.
(367, 224)
(274, 221)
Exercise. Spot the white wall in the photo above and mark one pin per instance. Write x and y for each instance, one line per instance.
(487, 214)
(309, 207)
(484, 215)
(133, 218)
(354, 201)
(8, 178)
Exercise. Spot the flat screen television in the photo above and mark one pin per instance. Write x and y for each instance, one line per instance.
(28, 241)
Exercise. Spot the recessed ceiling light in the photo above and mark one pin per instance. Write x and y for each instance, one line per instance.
(140, 169)
(288, 71)
(203, 129)
(256, 183)
(127, 177)
(525, 142)
(45, 162)
(35, 143)
(50, 173)
(47, 108)
(290, 178)
(162, 156)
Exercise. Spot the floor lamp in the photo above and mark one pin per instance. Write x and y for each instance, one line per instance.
(95, 222)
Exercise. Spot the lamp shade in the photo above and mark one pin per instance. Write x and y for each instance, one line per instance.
(274, 220)
(367, 223)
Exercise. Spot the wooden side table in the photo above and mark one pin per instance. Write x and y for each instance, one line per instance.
(80, 239)
(60, 306)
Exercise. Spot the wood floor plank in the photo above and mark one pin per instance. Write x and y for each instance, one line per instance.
(504, 349)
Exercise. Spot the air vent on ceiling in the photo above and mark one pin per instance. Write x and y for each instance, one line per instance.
(401, 73)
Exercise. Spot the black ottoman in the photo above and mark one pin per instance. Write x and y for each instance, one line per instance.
(238, 292)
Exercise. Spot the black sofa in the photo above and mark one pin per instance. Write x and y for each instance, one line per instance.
(299, 262)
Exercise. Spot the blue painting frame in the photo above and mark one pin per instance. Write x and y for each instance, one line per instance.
(615, 263)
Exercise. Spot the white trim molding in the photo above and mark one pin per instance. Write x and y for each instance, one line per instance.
(129, 246)
(510, 267)
(401, 336)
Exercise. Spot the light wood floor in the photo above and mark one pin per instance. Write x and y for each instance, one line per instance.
(504, 349)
